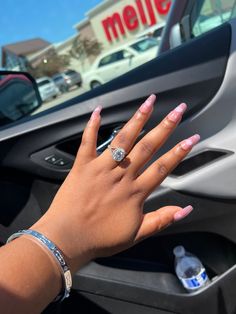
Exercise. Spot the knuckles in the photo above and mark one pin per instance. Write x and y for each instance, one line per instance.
(167, 124)
(179, 152)
(121, 138)
(162, 169)
(146, 147)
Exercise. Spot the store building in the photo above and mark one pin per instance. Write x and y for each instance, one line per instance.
(15, 56)
(113, 23)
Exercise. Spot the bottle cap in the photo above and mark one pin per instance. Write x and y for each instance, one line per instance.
(179, 251)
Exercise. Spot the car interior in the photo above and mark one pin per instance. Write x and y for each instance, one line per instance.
(200, 72)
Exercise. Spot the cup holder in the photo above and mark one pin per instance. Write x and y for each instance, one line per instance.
(155, 256)
(145, 275)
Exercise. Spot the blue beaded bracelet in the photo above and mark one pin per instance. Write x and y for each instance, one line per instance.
(57, 254)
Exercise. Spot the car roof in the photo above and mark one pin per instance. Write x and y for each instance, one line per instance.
(63, 73)
(43, 78)
(57, 75)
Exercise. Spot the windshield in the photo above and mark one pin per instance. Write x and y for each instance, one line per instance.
(145, 45)
(61, 37)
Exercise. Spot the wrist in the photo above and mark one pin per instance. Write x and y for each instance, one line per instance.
(39, 277)
(74, 256)
(53, 253)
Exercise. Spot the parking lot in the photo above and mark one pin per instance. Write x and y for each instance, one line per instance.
(61, 98)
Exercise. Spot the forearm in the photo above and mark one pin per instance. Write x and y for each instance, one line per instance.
(29, 277)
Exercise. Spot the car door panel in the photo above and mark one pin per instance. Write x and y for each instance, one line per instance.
(113, 69)
(221, 111)
(119, 68)
(142, 279)
(104, 71)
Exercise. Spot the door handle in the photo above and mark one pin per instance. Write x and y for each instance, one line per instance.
(105, 144)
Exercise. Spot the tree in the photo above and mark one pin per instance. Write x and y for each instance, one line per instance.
(49, 65)
(84, 48)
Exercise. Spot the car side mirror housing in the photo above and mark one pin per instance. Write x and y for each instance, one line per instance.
(128, 55)
(19, 96)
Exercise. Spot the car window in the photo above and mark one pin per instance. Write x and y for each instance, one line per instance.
(210, 14)
(64, 40)
(57, 79)
(157, 33)
(114, 57)
(145, 45)
(70, 72)
(45, 82)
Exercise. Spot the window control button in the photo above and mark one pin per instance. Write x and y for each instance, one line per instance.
(52, 159)
(61, 162)
(56, 160)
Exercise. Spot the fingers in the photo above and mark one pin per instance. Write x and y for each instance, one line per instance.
(149, 144)
(160, 219)
(159, 170)
(88, 144)
(129, 133)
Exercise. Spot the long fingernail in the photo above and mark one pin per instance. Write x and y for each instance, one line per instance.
(96, 113)
(182, 213)
(177, 113)
(190, 142)
(148, 104)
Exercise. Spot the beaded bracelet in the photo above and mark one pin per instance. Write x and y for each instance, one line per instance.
(57, 254)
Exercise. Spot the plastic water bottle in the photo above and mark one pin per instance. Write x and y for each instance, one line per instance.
(189, 270)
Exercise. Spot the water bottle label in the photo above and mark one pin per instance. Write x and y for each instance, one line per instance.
(195, 282)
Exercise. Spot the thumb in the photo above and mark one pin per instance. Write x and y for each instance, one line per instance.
(160, 219)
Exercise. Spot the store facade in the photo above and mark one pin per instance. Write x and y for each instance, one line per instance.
(113, 23)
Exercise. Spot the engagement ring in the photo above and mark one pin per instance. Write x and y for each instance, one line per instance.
(118, 153)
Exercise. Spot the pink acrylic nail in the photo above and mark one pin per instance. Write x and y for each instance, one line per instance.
(148, 104)
(182, 213)
(177, 113)
(190, 142)
(96, 113)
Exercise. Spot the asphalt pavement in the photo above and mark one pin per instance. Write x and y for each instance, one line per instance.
(60, 99)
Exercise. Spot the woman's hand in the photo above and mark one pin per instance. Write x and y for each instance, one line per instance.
(98, 210)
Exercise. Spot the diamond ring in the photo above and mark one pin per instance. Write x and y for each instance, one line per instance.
(118, 153)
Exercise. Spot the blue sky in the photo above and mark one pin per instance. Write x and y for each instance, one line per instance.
(52, 20)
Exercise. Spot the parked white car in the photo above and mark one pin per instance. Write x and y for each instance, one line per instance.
(119, 61)
(47, 88)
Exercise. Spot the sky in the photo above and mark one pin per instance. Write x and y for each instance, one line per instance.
(52, 20)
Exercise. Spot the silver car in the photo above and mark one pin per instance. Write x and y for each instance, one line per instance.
(67, 79)
(47, 88)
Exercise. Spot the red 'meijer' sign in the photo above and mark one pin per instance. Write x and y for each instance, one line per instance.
(114, 24)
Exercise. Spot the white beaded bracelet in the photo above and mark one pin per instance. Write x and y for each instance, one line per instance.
(57, 254)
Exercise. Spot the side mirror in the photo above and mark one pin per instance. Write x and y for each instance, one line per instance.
(19, 96)
(175, 36)
(128, 55)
